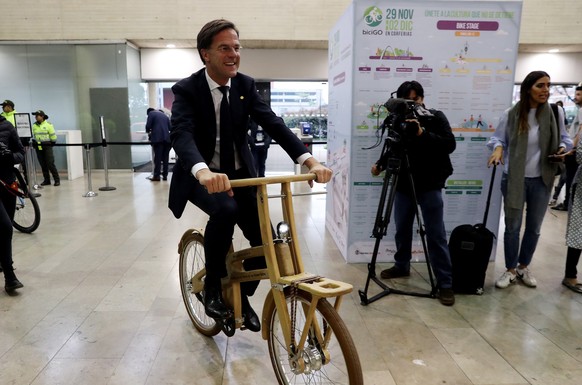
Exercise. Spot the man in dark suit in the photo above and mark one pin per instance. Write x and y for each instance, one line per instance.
(203, 170)
(158, 129)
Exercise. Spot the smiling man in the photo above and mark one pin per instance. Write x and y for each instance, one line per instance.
(210, 118)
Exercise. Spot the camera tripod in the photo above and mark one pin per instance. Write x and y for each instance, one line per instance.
(392, 169)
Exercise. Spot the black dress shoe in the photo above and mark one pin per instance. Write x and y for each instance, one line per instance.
(45, 183)
(251, 319)
(57, 183)
(214, 306)
(394, 272)
(560, 207)
(154, 178)
(12, 284)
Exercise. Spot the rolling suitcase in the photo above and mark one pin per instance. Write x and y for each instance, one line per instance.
(470, 247)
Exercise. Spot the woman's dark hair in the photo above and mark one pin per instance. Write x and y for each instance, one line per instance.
(211, 29)
(404, 90)
(525, 98)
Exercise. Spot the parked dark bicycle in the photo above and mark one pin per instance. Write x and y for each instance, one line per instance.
(27, 214)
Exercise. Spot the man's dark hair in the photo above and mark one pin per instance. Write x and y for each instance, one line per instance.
(404, 90)
(149, 110)
(579, 88)
(211, 29)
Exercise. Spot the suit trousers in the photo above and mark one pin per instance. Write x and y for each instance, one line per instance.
(225, 212)
(161, 158)
(7, 208)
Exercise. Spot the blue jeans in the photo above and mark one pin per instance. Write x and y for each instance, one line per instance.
(536, 198)
(431, 206)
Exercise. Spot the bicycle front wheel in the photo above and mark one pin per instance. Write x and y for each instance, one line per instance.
(329, 355)
(27, 214)
(192, 273)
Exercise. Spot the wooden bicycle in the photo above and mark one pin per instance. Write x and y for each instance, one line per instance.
(307, 339)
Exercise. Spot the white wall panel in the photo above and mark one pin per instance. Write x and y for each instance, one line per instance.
(562, 67)
(543, 21)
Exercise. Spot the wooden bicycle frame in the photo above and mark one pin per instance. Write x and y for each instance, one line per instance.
(318, 287)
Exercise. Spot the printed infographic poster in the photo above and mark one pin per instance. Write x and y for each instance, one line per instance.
(463, 53)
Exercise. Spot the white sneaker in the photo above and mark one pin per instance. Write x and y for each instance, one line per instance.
(552, 202)
(526, 277)
(505, 280)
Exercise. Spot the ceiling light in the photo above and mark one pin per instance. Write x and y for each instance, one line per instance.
(170, 45)
(554, 50)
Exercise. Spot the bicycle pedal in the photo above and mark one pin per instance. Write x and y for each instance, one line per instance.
(228, 326)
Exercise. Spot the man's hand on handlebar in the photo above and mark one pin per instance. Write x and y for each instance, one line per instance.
(214, 182)
(322, 173)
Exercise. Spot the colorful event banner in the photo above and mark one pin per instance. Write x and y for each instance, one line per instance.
(463, 53)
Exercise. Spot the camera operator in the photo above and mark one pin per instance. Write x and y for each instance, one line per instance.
(428, 141)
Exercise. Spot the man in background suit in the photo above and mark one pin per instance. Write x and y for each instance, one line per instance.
(158, 130)
(198, 176)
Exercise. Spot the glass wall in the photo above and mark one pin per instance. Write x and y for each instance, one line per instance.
(302, 105)
(74, 85)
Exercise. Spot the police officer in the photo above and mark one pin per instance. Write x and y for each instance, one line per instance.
(8, 111)
(45, 136)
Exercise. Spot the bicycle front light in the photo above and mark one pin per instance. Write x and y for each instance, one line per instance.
(283, 230)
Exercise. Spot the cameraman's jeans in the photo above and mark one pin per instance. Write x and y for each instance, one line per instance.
(431, 206)
(536, 197)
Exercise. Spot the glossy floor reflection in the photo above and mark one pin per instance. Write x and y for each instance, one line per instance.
(101, 305)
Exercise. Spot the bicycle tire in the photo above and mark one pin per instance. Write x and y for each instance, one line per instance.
(192, 261)
(344, 366)
(25, 220)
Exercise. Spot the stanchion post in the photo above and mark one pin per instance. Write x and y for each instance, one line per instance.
(90, 193)
(105, 154)
(24, 128)
(30, 163)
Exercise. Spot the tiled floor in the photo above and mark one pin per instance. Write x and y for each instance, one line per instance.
(101, 305)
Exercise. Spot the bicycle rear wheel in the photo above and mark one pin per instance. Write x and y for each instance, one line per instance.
(342, 365)
(27, 214)
(192, 273)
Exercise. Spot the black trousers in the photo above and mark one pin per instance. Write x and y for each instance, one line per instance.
(7, 208)
(260, 157)
(47, 163)
(161, 158)
(225, 212)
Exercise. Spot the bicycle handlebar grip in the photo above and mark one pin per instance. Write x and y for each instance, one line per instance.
(271, 180)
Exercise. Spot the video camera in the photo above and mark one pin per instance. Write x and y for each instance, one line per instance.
(400, 110)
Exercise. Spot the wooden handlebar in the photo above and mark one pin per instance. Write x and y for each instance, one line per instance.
(271, 180)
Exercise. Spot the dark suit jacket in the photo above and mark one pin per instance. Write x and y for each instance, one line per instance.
(193, 132)
(158, 127)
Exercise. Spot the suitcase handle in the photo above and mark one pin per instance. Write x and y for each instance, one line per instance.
(489, 196)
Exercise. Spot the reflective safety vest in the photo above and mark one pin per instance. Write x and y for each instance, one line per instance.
(43, 132)
(10, 117)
